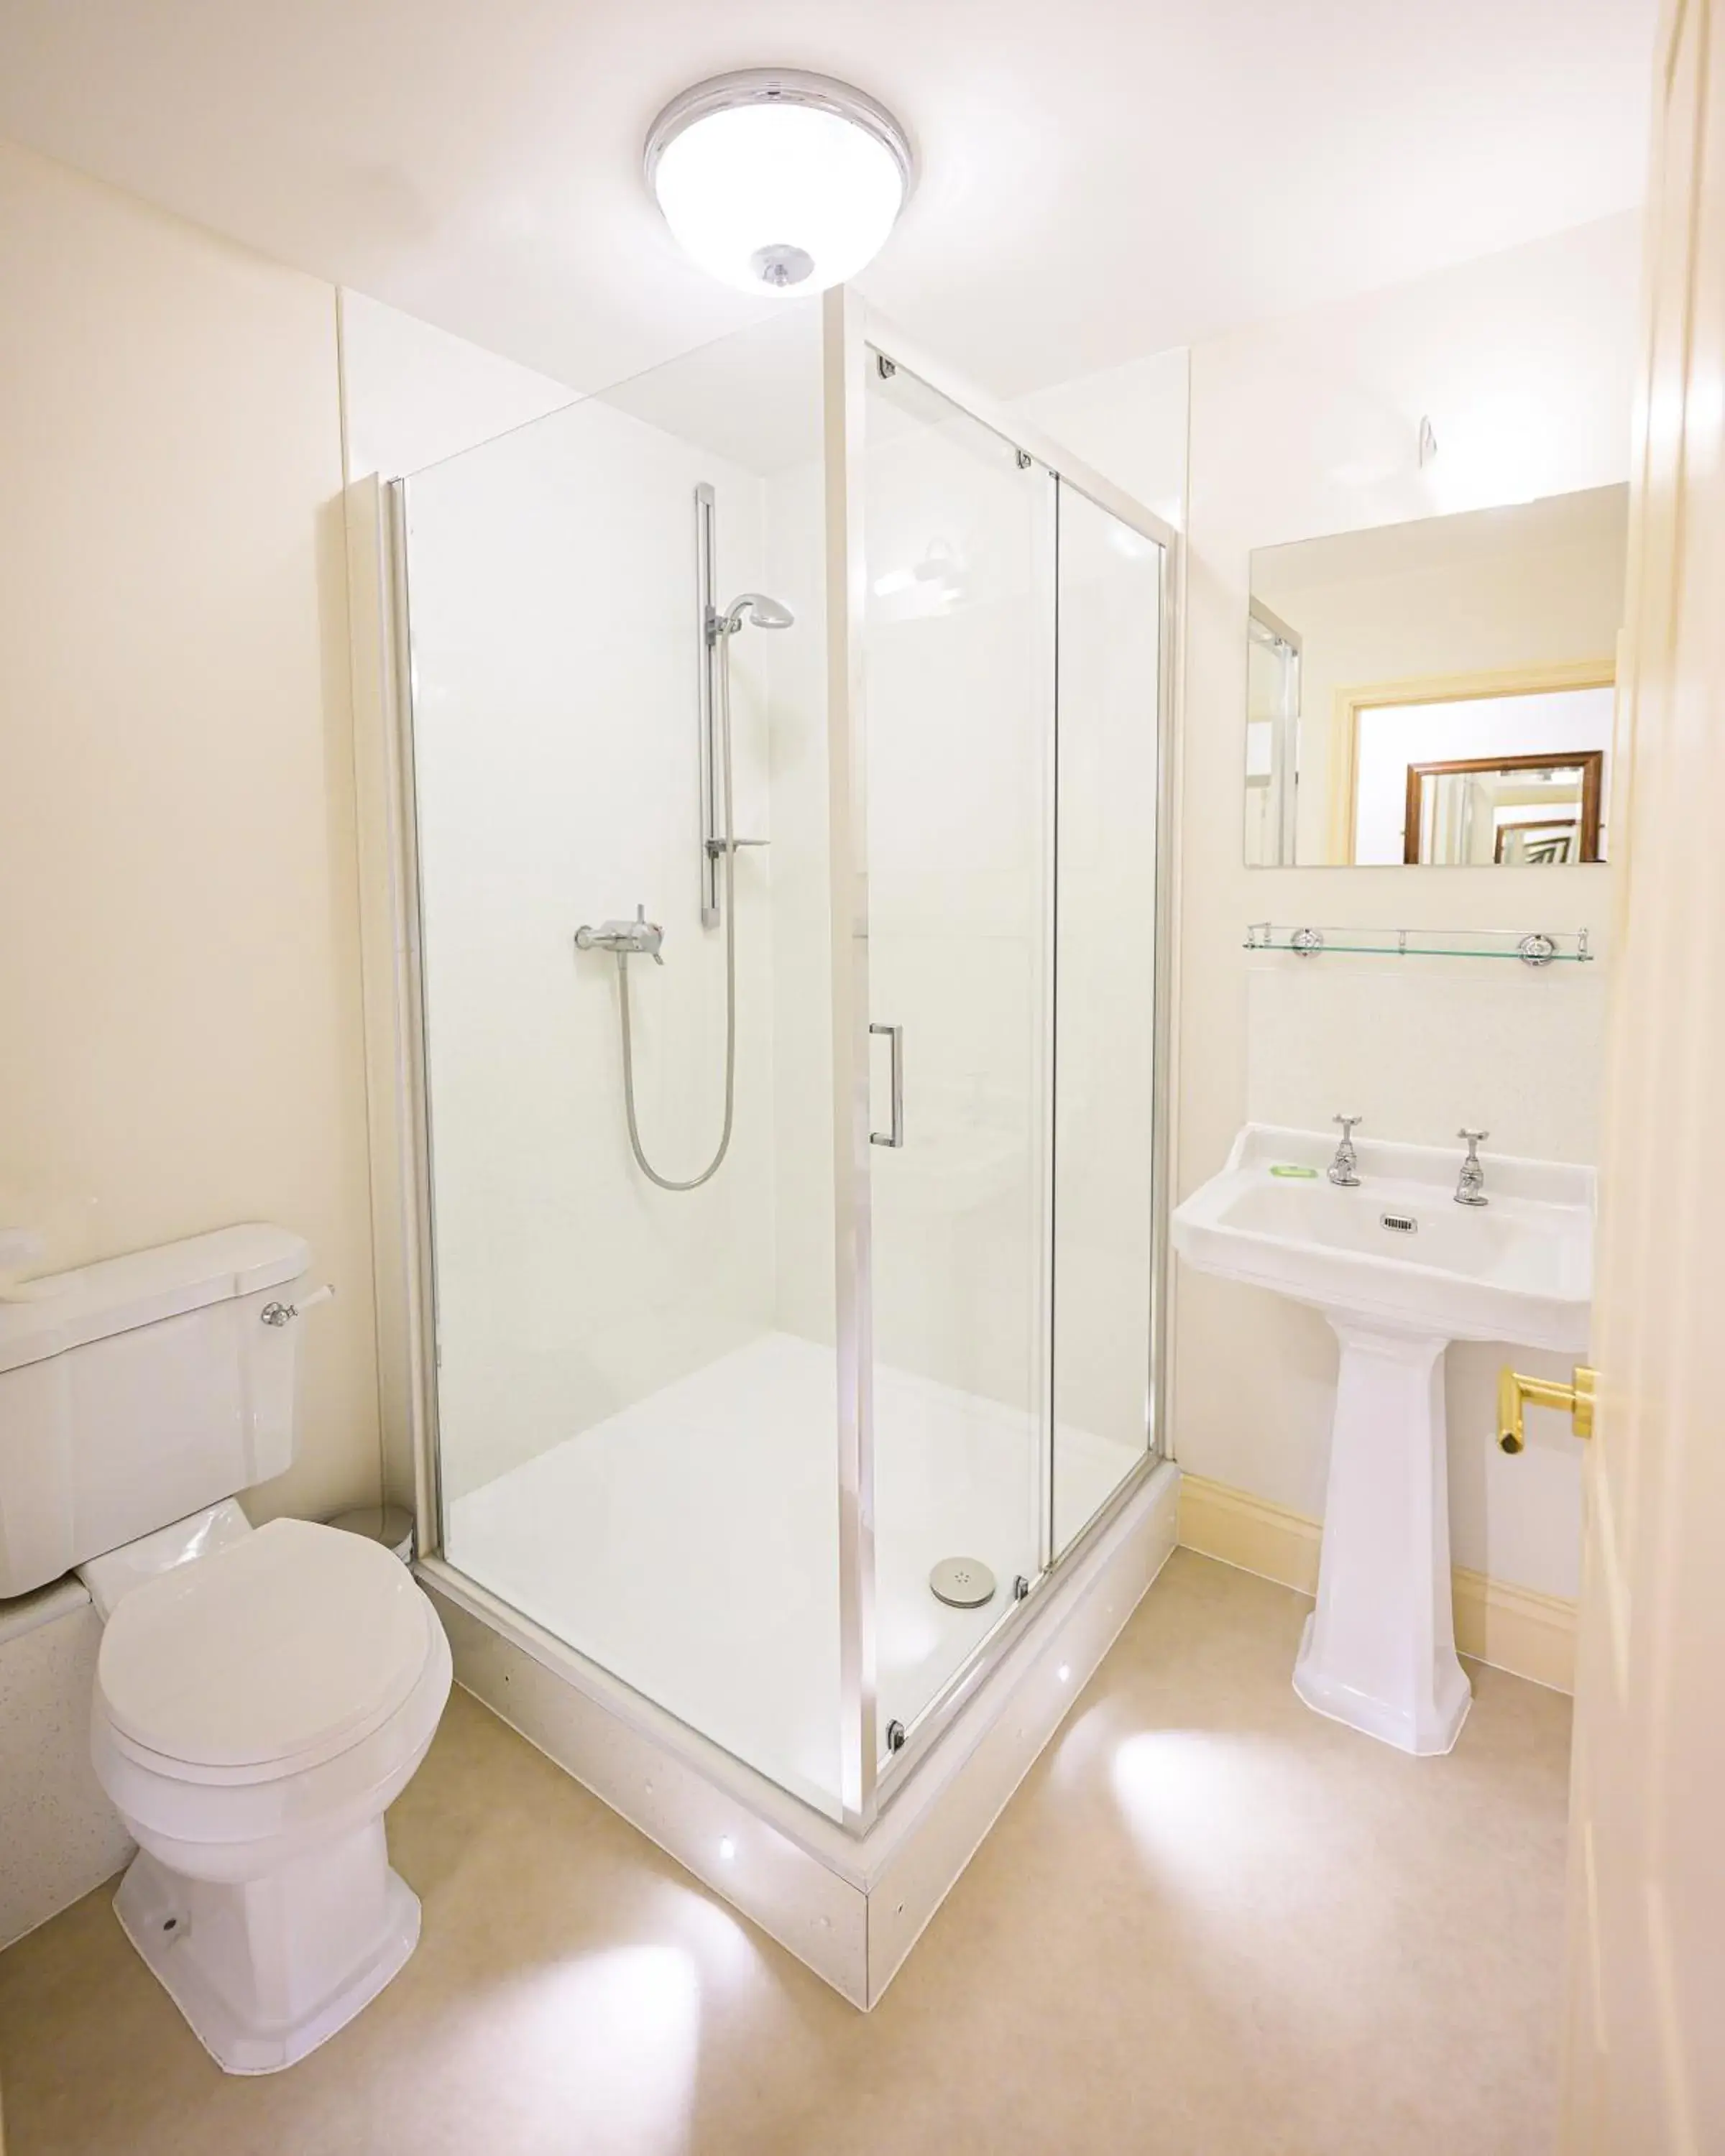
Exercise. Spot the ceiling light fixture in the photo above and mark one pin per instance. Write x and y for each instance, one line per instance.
(777, 181)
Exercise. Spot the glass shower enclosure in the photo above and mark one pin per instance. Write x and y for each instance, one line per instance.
(785, 746)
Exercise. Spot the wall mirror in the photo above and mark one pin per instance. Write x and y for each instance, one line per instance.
(1437, 694)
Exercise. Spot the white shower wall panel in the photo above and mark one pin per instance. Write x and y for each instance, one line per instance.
(554, 609)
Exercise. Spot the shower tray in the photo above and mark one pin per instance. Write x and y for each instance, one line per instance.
(849, 1906)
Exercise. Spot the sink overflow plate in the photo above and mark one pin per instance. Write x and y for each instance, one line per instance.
(1400, 1224)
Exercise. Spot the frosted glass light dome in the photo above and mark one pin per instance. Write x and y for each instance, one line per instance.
(778, 182)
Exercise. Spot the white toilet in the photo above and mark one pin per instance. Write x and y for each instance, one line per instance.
(262, 1695)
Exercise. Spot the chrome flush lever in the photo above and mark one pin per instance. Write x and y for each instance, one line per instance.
(1344, 1169)
(284, 1313)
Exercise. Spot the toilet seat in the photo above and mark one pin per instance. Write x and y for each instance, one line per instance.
(265, 1660)
(208, 1829)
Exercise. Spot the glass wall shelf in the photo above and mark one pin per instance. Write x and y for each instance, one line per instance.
(1536, 947)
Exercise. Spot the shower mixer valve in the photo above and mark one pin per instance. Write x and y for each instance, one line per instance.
(639, 938)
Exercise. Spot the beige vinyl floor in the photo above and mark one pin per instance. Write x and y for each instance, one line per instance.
(1208, 1922)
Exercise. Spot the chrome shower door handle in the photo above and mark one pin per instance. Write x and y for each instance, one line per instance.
(895, 1135)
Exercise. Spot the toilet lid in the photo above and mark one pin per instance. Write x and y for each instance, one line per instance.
(281, 1645)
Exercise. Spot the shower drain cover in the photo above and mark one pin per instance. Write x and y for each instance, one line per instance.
(964, 1583)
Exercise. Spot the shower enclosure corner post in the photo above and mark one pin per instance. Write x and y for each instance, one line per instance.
(414, 1090)
(843, 360)
(392, 998)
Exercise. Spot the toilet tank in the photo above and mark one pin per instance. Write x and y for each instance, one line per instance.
(136, 1391)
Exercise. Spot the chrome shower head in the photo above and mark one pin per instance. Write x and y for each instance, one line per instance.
(763, 612)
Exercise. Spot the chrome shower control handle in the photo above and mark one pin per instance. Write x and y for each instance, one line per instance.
(1343, 1170)
(639, 938)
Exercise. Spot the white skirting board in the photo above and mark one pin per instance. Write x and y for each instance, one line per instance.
(851, 1908)
(60, 1835)
(1511, 1628)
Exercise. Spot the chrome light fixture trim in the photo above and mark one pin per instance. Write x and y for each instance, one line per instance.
(820, 93)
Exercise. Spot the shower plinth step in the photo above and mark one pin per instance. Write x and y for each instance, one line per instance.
(849, 1906)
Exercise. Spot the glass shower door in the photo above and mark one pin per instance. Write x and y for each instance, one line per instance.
(1107, 950)
(958, 656)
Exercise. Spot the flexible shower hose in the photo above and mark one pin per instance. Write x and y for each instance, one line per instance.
(729, 858)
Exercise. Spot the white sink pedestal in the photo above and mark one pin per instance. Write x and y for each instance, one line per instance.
(1379, 1652)
(1398, 1269)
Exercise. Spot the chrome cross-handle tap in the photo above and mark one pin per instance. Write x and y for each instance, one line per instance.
(639, 938)
(1344, 1168)
(1471, 1184)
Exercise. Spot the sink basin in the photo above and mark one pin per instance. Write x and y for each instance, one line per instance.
(1400, 1269)
(1398, 1248)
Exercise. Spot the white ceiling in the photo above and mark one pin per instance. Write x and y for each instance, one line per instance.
(1098, 179)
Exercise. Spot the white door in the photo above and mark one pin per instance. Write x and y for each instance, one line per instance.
(1644, 2063)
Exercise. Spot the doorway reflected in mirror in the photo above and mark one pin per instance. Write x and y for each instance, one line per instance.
(1437, 694)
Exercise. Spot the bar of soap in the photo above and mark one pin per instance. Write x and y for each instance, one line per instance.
(1285, 1167)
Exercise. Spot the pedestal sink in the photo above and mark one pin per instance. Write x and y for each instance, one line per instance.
(1400, 1269)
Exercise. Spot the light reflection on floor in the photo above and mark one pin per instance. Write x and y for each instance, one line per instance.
(613, 2038)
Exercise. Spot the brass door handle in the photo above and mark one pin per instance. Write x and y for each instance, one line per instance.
(1514, 1392)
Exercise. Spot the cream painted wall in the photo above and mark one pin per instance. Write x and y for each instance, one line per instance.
(180, 1031)
(413, 394)
(1524, 362)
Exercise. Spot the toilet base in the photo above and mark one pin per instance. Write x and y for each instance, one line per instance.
(266, 1970)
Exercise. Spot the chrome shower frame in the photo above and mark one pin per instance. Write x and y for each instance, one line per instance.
(857, 338)
(402, 1195)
